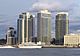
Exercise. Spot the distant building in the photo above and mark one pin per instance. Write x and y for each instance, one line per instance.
(44, 26)
(11, 36)
(3, 41)
(61, 27)
(72, 39)
(25, 28)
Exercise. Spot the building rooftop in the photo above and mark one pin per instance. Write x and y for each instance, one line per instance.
(63, 13)
(45, 11)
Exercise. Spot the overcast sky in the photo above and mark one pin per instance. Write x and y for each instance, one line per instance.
(10, 9)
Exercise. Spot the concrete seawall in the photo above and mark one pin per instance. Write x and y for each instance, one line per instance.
(59, 46)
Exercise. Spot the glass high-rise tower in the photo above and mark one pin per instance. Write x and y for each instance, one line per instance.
(25, 28)
(44, 26)
(61, 27)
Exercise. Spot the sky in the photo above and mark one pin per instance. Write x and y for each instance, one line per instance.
(10, 9)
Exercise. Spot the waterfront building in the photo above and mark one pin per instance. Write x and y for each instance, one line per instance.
(72, 39)
(25, 28)
(11, 36)
(61, 27)
(44, 26)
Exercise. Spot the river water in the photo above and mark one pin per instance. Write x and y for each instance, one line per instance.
(41, 52)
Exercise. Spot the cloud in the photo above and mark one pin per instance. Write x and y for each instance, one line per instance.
(54, 4)
(76, 31)
(46, 5)
(7, 20)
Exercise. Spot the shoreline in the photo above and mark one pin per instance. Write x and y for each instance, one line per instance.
(59, 46)
(43, 46)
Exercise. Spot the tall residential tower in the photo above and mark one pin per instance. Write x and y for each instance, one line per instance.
(44, 26)
(61, 27)
(25, 28)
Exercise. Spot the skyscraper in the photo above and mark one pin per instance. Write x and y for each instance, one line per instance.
(44, 26)
(61, 27)
(25, 28)
(11, 36)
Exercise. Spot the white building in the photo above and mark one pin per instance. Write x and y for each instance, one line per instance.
(72, 40)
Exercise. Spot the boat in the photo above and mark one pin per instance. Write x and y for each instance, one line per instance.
(29, 46)
(25, 45)
(7, 47)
